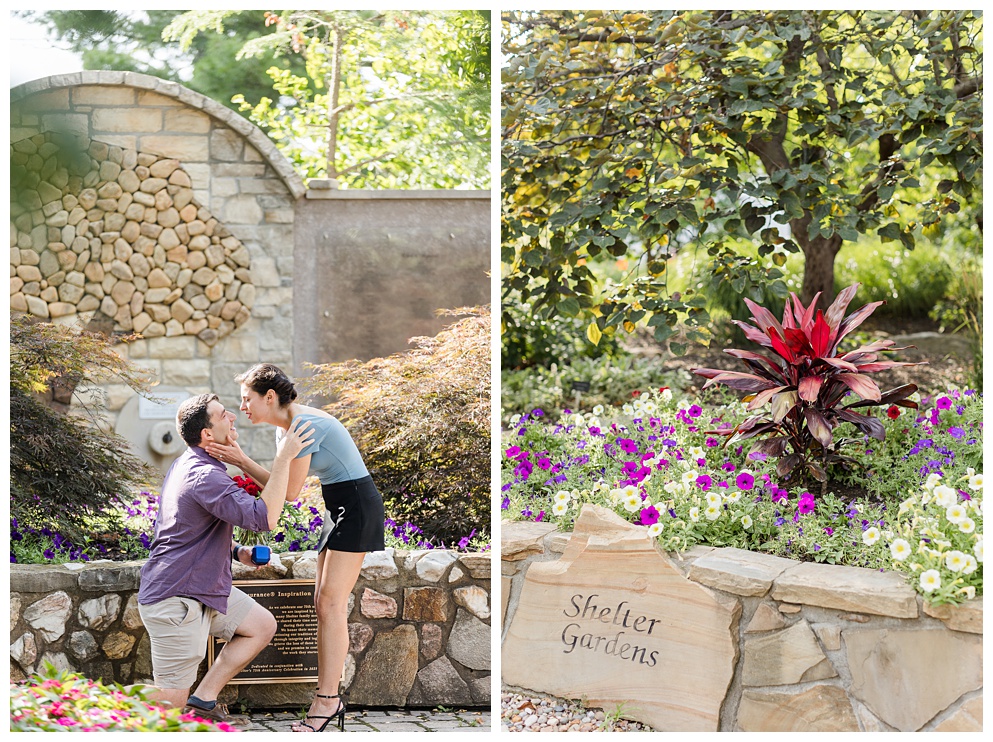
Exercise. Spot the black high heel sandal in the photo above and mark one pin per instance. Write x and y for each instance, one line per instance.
(339, 715)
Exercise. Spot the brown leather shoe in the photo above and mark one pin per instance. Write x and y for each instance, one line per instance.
(218, 714)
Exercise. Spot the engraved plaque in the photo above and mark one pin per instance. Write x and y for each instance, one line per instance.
(291, 657)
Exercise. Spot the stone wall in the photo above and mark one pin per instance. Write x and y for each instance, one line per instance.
(373, 267)
(730, 640)
(144, 206)
(419, 627)
(165, 212)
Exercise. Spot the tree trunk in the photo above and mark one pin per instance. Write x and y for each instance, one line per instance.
(818, 270)
(334, 86)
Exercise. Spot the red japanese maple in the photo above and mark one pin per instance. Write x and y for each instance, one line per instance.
(806, 380)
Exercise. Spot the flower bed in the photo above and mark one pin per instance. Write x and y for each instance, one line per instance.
(298, 530)
(67, 702)
(913, 503)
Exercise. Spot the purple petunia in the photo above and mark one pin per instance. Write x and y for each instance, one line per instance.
(745, 481)
(649, 516)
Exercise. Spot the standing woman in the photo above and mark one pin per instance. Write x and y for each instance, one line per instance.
(353, 521)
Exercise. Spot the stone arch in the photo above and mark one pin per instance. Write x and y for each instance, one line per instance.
(214, 171)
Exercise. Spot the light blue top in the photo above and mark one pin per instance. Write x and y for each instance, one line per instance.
(333, 454)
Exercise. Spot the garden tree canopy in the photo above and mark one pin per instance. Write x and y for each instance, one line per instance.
(132, 40)
(637, 133)
(388, 99)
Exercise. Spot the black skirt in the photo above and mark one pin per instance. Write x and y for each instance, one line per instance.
(355, 517)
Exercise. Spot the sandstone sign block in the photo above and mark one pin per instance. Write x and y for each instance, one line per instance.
(615, 622)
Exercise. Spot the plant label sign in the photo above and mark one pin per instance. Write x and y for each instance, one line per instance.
(291, 657)
(615, 622)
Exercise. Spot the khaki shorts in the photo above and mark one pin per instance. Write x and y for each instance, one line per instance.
(178, 629)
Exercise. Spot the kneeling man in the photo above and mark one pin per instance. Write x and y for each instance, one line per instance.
(186, 592)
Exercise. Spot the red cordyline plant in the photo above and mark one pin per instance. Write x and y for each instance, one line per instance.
(806, 381)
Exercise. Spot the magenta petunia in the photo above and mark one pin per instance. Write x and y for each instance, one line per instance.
(745, 481)
(704, 481)
(943, 403)
(649, 516)
(805, 504)
(695, 410)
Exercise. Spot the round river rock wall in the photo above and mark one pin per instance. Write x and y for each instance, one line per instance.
(419, 627)
(139, 205)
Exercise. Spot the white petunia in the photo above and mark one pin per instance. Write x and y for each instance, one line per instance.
(713, 500)
(666, 396)
(696, 453)
(930, 580)
(649, 407)
(746, 521)
(560, 508)
(978, 550)
(631, 501)
(933, 479)
(945, 496)
(955, 561)
(900, 549)
(967, 525)
(514, 420)
(907, 504)
(578, 419)
(562, 496)
(870, 536)
(971, 565)
(655, 530)
(976, 482)
(968, 591)
(733, 496)
(694, 514)
(598, 410)
(956, 513)
(627, 409)
(713, 512)
(689, 476)
(616, 495)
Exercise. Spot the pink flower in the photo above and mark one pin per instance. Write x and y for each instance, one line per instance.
(649, 516)
(745, 481)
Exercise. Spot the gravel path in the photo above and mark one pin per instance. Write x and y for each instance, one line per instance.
(522, 711)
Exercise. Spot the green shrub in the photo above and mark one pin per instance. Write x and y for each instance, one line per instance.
(528, 340)
(911, 282)
(53, 701)
(612, 382)
(422, 421)
(63, 469)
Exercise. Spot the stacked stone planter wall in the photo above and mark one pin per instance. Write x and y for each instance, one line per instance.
(730, 640)
(419, 627)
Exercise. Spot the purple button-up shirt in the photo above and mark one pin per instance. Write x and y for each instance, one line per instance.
(191, 552)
